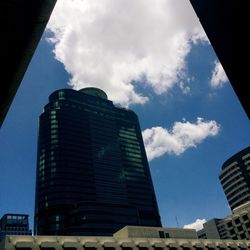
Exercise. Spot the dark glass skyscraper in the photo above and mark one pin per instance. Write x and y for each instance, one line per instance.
(92, 171)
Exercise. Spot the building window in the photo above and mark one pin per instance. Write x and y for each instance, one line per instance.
(248, 225)
(161, 234)
(245, 217)
(53, 121)
(53, 130)
(243, 236)
(237, 221)
(54, 126)
(61, 95)
(53, 170)
(54, 141)
(167, 235)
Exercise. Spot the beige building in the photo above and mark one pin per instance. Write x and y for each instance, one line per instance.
(235, 226)
(155, 232)
(128, 238)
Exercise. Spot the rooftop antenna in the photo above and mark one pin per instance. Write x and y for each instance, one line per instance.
(177, 223)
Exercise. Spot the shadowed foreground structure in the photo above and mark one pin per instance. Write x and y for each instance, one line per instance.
(118, 242)
(22, 25)
(224, 22)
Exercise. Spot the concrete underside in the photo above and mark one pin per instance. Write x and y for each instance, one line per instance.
(22, 25)
(225, 23)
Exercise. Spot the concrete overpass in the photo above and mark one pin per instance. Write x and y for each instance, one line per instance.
(225, 23)
(22, 23)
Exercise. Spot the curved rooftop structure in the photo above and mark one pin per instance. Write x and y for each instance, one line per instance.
(95, 92)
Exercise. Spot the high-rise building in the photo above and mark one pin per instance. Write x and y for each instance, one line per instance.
(14, 224)
(93, 176)
(235, 178)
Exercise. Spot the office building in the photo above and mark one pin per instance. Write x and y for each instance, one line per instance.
(210, 230)
(93, 176)
(235, 178)
(213, 229)
(120, 241)
(235, 181)
(14, 224)
(235, 226)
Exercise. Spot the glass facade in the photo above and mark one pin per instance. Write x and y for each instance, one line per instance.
(93, 176)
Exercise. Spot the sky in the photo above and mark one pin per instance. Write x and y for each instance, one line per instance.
(154, 58)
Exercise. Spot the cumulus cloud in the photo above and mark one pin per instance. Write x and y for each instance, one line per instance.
(112, 44)
(197, 225)
(159, 141)
(219, 76)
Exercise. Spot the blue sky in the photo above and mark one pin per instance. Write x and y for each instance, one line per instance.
(161, 66)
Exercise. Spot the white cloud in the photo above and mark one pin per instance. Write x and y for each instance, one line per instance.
(197, 225)
(219, 76)
(109, 43)
(185, 89)
(159, 141)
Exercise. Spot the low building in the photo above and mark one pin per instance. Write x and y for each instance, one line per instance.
(210, 230)
(156, 232)
(235, 226)
(14, 224)
(202, 233)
